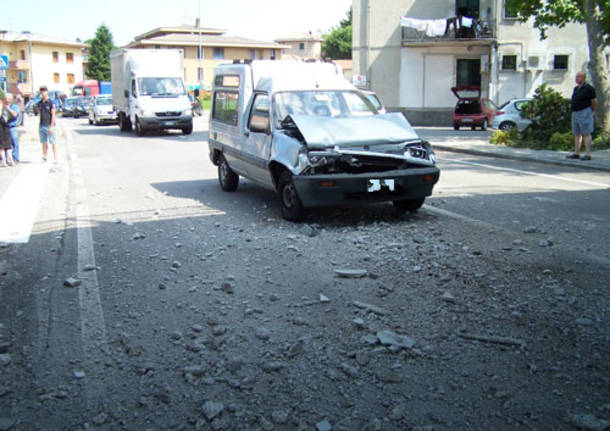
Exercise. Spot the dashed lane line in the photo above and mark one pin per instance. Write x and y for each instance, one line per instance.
(19, 204)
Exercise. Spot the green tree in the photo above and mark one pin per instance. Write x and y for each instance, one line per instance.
(549, 112)
(337, 45)
(99, 54)
(596, 17)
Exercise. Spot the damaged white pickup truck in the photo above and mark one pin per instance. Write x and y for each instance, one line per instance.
(303, 130)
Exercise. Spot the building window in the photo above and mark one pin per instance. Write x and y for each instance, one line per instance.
(252, 54)
(55, 57)
(69, 57)
(22, 77)
(468, 72)
(70, 77)
(301, 46)
(560, 62)
(199, 52)
(22, 54)
(157, 46)
(469, 8)
(510, 12)
(219, 54)
(199, 74)
(56, 78)
(272, 54)
(509, 62)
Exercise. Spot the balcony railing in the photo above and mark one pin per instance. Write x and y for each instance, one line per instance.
(19, 65)
(455, 30)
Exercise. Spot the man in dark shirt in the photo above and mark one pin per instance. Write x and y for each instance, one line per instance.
(46, 107)
(583, 104)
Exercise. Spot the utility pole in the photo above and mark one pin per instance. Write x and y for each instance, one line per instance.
(200, 52)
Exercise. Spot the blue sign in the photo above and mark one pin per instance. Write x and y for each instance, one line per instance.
(2, 78)
(3, 62)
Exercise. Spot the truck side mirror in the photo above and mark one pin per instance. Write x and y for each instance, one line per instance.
(127, 94)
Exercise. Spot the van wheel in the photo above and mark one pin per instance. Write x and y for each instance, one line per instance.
(506, 125)
(292, 209)
(228, 179)
(484, 126)
(139, 128)
(408, 204)
(187, 130)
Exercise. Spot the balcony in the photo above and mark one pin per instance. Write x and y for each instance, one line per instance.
(19, 65)
(23, 88)
(451, 31)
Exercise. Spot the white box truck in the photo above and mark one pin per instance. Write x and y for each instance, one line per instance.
(148, 91)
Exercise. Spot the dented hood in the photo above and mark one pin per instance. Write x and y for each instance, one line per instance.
(322, 132)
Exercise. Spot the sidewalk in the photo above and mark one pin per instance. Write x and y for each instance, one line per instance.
(600, 159)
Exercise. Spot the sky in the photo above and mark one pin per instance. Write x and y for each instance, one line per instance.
(255, 19)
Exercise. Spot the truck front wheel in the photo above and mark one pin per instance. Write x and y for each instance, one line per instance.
(188, 129)
(292, 209)
(139, 128)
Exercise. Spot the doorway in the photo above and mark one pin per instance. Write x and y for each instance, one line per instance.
(469, 8)
(468, 72)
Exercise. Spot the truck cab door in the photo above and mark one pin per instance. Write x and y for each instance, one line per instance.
(257, 143)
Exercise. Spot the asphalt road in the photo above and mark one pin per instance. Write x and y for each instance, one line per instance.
(198, 309)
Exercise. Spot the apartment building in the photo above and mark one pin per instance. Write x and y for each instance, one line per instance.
(302, 46)
(36, 60)
(216, 47)
(412, 52)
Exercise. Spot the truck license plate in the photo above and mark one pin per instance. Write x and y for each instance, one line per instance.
(378, 185)
(169, 123)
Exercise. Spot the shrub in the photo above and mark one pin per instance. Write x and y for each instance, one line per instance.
(602, 142)
(549, 112)
(561, 142)
(505, 137)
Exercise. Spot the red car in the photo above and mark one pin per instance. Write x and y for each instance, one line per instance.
(471, 110)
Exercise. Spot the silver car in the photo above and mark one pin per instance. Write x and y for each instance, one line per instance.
(101, 110)
(509, 116)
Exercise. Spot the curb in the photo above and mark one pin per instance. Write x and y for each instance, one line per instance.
(485, 153)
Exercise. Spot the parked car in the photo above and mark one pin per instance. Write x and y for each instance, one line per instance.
(509, 116)
(304, 131)
(81, 106)
(375, 100)
(67, 109)
(471, 110)
(101, 110)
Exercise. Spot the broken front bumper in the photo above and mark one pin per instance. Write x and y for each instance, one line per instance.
(329, 190)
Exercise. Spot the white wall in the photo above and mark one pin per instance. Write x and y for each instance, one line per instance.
(43, 67)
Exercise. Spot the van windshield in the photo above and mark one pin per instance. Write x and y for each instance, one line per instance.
(161, 86)
(103, 101)
(333, 104)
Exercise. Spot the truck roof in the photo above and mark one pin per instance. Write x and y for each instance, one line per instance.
(288, 75)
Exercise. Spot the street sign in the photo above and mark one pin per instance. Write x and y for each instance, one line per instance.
(3, 62)
(2, 78)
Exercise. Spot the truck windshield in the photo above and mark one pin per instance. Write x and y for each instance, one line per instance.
(343, 104)
(161, 86)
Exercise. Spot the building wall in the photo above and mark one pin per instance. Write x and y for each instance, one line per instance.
(311, 49)
(44, 67)
(418, 79)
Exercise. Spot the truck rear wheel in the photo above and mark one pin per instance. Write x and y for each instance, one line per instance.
(292, 209)
(228, 179)
(124, 123)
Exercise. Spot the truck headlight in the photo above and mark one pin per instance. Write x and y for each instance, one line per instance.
(146, 113)
(188, 112)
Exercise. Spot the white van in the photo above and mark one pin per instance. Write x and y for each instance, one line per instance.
(302, 129)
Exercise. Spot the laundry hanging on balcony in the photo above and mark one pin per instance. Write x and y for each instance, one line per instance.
(432, 27)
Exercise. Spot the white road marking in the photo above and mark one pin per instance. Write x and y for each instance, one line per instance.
(519, 171)
(93, 326)
(19, 204)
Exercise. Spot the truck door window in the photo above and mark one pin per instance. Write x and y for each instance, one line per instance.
(259, 116)
(133, 89)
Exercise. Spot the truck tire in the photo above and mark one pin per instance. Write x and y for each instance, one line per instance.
(292, 209)
(124, 123)
(227, 179)
(405, 205)
(188, 129)
(139, 128)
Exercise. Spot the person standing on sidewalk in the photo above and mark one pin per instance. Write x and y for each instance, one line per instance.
(6, 145)
(21, 103)
(15, 113)
(583, 104)
(46, 107)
